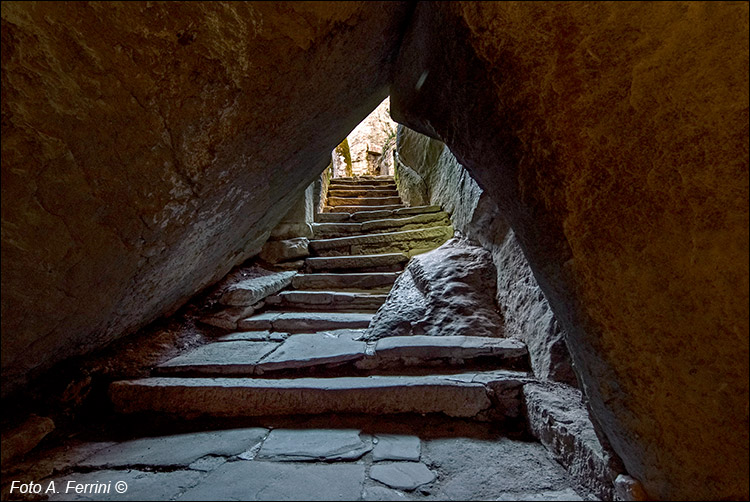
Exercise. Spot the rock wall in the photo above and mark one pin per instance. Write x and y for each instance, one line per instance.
(427, 173)
(368, 139)
(613, 138)
(149, 147)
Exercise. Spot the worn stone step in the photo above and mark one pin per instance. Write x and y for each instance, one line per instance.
(377, 214)
(422, 350)
(240, 358)
(393, 213)
(410, 242)
(304, 322)
(338, 282)
(391, 187)
(355, 209)
(481, 395)
(386, 262)
(359, 192)
(362, 181)
(363, 201)
(328, 230)
(344, 347)
(331, 301)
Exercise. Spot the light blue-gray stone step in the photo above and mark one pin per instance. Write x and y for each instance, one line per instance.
(466, 395)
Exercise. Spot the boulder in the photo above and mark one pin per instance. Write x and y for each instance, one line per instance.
(446, 292)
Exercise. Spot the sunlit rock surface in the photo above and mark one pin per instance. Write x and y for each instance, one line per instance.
(445, 292)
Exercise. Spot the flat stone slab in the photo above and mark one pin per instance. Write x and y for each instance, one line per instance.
(544, 495)
(177, 450)
(227, 318)
(321, 245)
(355, 209)
(305, 322)
(253, 480)
(362, 201)
(331, 301)
(455, 395)
(310, 349)
(313, 445)
(402, 475)
(141, 485)
(396, 447)
(391, 213)
(251, 291)
(253, 336)
(344, 281)
(331, 217)
(229, 357)
(422, 347)
(405, 222)
(363, 192)
(357, 261)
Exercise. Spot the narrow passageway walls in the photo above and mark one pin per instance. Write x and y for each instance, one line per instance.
(148, 147)
(428, 173)
(613, 137)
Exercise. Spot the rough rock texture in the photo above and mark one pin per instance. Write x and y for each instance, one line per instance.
(147, 148)
(297, 222)
(251, 291)
(558, 418)
(285, 250)
(25, 437)
(444, 292)
(369, 142)
(613, 137)
(436, 177)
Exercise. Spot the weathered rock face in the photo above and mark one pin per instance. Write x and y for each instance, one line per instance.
(445, 292)
(427, 172)
(371, 142)
(147, 148)
(613, 137)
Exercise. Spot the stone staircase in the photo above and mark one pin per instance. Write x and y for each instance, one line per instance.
(306, 352)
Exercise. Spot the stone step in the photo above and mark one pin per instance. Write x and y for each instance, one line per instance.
(240, 358)
(330, 301)
(374, 215)
(410, 242)
(365, 185)
(304, 322)
(480, 395)
(359, 192)
(393, 213)
(343, 347)
(363, 201)
(338, 282)
(329, 230)
(362, 179)
(387, 262)
(355, 209)
(363, 188)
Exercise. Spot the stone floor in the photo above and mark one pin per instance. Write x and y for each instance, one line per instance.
(321, 458)
(304, 360)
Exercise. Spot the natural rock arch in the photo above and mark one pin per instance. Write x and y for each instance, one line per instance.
(148, 148)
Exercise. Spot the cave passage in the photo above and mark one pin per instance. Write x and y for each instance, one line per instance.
(215, 284)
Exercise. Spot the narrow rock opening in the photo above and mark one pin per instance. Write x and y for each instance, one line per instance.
(545, 266)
